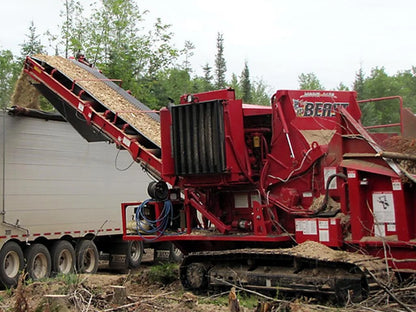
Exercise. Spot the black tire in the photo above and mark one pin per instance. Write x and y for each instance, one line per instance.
(11, 263)
(38, 262)
(194, 277)
(134, 254)
(87, 256)
(175, 255)
(63, 257)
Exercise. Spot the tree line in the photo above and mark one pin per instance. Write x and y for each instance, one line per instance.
(113, 38)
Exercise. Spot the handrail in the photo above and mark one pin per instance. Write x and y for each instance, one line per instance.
(394, 97)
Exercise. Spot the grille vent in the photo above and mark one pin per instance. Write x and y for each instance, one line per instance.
(198, 138)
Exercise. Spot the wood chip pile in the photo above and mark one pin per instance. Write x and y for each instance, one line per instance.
(402, 145)
(25, 94)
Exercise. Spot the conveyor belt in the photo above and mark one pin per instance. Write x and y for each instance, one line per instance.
(99, 109)
(119, 90)
(77, 87)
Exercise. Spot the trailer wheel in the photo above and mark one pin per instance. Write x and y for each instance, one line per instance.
(11, 263)
(87, 257)
(63, 257)
(134, 254)
(131, 251)
(38, 261)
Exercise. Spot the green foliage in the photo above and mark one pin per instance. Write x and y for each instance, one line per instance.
(342, 87)
(70, 279)
(379, 84)
(188, 53)
(73, 32)
(9, 72)
(235, 84)
(112, 37)
(309, 82)
(220, 64)
(359, 83)
(246, 300)
(256, 92)
(165, 273)
(261, 93)
(33, 44)
(172, 83)
(206, 80)
(245, 83)
(123, 50)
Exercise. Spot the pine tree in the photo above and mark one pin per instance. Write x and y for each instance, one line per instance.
(207, 78)
(188, 53)
(33, 45)
(235, 84)
(220, 64)
(309, 82)
(359, 83)
(245, 84)
(342, 87)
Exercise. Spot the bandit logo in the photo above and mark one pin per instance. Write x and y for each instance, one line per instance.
(316, 109)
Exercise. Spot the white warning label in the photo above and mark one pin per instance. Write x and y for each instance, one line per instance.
(383, 207)
(307, 227)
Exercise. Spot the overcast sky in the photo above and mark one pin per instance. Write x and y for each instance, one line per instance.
(279, 39)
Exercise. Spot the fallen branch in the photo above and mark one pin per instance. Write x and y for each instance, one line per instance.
(396, 155)
(137, 302)
(267, 297)
(123, 306)
(388, 291)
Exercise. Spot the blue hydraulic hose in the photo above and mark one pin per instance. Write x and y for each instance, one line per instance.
(156, 226)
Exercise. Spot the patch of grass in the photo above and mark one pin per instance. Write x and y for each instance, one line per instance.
(68, 282)
(165, 273)
(69, 279)
(9, 291)
(246, 300)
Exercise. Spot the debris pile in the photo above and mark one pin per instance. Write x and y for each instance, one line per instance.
(25, 94)
(405, 149)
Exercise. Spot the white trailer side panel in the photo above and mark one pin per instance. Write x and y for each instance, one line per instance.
(55, 183)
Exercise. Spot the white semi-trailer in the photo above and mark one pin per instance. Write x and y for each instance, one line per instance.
(60, 199)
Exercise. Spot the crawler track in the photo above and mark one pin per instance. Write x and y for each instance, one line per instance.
(311, 269)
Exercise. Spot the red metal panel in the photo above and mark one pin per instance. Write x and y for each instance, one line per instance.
(225, 94)
(327, 231)
(317, 109)
(168, 165)
(368, 166)
(403, 211)
(360, 224)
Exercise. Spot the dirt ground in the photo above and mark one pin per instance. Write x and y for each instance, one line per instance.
(97, 293)
(105, 292)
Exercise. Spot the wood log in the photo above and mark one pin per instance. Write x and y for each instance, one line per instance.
(396, 155)
(233, 303)
(120, 295)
